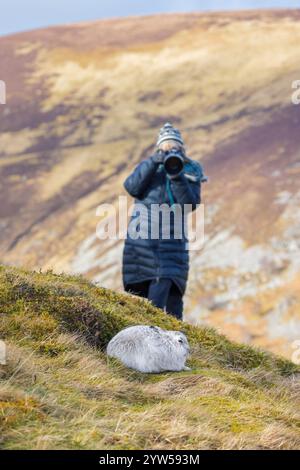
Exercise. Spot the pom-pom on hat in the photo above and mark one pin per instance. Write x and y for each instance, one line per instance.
(168, 132)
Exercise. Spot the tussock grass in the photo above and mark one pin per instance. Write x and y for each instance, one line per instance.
(59, 390)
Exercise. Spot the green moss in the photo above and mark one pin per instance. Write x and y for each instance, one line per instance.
(51, 348)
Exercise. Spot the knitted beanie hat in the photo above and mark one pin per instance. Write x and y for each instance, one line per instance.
(168, 132)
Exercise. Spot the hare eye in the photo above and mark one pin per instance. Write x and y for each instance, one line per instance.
(180, 341)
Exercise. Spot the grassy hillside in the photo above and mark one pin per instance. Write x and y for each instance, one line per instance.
(59, 390)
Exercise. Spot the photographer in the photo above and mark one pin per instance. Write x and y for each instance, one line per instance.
(157, 268)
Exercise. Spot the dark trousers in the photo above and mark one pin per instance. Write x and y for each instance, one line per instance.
(163, 294)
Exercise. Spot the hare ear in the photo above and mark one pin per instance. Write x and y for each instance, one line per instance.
(156, 328)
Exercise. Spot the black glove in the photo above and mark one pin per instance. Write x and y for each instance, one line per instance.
(159, 156)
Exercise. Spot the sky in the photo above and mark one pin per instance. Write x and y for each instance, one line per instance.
(20, 15)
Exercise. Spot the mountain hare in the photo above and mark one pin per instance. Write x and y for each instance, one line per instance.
(150, 349)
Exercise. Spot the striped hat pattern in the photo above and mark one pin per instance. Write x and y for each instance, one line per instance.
(168, 132)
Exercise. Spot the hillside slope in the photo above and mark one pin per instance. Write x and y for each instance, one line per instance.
(84, 105)
(59, 390)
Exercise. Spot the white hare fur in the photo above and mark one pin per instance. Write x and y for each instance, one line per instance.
(150, 349)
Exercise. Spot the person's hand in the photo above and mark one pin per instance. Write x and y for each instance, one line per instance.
(159, 156)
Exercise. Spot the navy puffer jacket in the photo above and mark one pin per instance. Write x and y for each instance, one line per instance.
(145, 257)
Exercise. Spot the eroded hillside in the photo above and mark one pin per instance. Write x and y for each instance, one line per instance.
(84, 105)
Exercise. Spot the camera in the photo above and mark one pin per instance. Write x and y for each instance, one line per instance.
(173, 162)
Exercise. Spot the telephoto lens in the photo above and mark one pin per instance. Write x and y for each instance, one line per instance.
(173, 163)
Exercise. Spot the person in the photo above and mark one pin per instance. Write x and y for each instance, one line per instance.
(157, 267)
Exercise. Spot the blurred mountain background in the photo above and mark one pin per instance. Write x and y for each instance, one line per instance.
(33, 14)
(84, 105)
